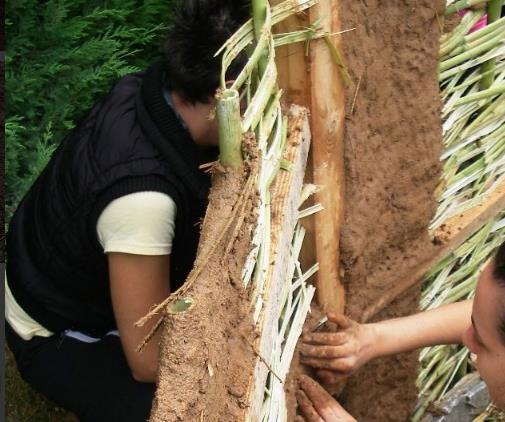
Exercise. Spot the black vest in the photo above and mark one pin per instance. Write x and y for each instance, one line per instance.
(131, 141)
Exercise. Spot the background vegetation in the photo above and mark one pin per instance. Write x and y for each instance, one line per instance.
(62, 55)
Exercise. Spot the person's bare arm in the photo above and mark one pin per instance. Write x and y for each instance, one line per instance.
(443, 325)
(137, 283)
(355, 344)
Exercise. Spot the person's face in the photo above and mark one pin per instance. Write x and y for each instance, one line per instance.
(483, 336)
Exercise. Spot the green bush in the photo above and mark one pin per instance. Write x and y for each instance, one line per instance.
(62, 55)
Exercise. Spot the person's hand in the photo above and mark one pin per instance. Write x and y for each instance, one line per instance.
(316, 405)
(336, 354)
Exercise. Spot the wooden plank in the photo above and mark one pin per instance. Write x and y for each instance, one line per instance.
(327, 126)
(292, 65)
(285, 194)
(451, 235)
(294, 80)
(315, 82)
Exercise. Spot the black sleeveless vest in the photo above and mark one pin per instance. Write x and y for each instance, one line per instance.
(130, 141)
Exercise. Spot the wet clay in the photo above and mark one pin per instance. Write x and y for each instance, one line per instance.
(206, 353)
(393, 142)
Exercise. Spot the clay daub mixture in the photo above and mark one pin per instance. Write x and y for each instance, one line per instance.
(206, 351)
(210, 352)
(393, 142)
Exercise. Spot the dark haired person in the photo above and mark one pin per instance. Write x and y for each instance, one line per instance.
(110, 227)
(478, 323)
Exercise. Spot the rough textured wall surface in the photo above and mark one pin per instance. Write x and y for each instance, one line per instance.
(393, 143)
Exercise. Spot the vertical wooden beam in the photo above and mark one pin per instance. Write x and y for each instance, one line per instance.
(327, 125)
(294, 80)
(315, 82)
(292, 64)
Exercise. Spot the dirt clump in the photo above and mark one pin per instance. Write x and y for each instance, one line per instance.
(451, 22)
(393, 142)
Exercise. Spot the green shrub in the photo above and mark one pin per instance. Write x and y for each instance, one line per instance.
(62, 55)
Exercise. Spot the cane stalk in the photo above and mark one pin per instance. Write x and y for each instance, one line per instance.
(452, 280)
(473, 164)
(493, 14)
(463, 4)
(230, 128)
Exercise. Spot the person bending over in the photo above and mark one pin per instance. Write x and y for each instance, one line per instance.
(110, 227)
(478, 323)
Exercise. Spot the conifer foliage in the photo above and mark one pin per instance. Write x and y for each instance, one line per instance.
(63, 55)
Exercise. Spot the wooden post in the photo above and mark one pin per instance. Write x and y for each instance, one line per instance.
(315, 82)
(328, 113)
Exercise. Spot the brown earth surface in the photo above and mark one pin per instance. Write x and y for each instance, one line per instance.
(206, 353)
(393, 142)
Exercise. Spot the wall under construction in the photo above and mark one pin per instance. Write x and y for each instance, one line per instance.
(393, 143)
(391, 140)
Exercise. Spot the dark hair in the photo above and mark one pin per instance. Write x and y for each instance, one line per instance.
(499, 276)
(199, 29)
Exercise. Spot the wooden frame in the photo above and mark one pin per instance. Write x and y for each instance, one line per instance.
(315, 82)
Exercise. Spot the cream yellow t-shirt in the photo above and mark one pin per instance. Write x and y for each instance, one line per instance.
(141, 223)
